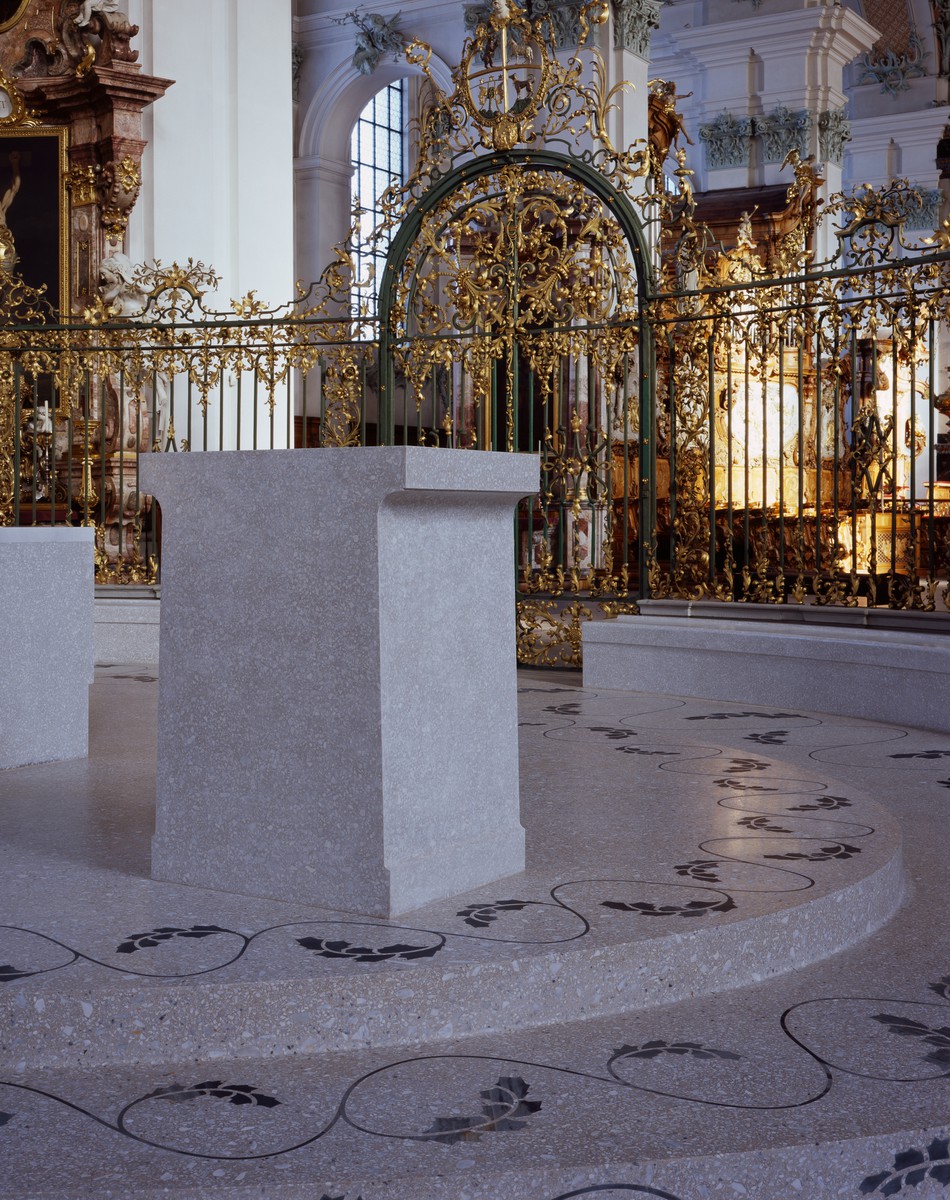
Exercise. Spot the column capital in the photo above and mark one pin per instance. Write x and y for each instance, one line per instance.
(634, 21)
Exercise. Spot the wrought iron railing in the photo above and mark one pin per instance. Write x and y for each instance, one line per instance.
(156, 370)
(741, 422)
(798, 448)
(803, 424)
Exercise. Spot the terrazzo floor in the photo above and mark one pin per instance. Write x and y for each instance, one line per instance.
(725, 972)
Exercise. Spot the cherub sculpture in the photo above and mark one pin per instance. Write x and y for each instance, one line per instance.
(102, 29)
(104, 7)
(118, 288)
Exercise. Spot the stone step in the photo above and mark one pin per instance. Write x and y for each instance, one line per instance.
(806, 1085)
(778, 655)
(746, 865)
(327, 984)
(698, 865)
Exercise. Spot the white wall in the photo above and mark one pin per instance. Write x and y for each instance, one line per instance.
(218, 172)
(218, 183)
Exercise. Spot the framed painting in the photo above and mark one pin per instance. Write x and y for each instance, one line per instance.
(34, 210)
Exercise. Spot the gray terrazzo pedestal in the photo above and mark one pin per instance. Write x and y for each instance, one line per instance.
(46, 597)
(337, 705)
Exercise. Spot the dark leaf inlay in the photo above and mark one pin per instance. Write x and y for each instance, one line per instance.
(764, 824)
(165, 933)
(649, 753)
(822, 804)
(770, 737)
(657, 1047)
(695, 908)
(503, 1108)
(905, 1027)
(837, 850)
(911, 1167)
(328, 948)
(480, 916)
(700, 868)
(942, 987)
(742, 766)
(217, 1089)
(9, 973)
(739, 785)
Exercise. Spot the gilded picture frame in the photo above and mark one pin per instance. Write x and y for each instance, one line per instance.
(34, 209)
(10, 13)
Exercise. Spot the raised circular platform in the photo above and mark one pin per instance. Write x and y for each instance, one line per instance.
(672, 855)
(710, 889)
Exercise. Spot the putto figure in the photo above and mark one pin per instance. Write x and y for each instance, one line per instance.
(103, 7)
(100, 32)
(118, 287)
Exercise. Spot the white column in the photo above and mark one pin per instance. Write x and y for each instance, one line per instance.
(218, 181)
(749, 67)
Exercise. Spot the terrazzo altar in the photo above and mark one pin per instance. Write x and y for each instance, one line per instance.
(725, 972)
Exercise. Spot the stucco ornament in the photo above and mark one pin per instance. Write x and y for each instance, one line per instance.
(375, 36)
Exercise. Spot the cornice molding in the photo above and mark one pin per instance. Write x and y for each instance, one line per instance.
(833, 30)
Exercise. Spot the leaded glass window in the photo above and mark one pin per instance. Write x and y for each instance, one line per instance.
(378, 153)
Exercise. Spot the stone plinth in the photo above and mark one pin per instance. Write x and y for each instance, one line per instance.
(875, 674)
(126, 629)
(337, 721)
(46, 598)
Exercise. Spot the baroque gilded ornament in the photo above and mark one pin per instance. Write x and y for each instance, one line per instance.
(82, 184)
(13, 107)
(503, 78)
(564, 17)
(119, 184)
(512, 90)
(720, 417)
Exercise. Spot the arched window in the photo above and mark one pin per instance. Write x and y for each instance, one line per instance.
(378, 153)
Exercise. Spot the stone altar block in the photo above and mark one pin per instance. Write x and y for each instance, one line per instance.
(337, 697)
(46, 598)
